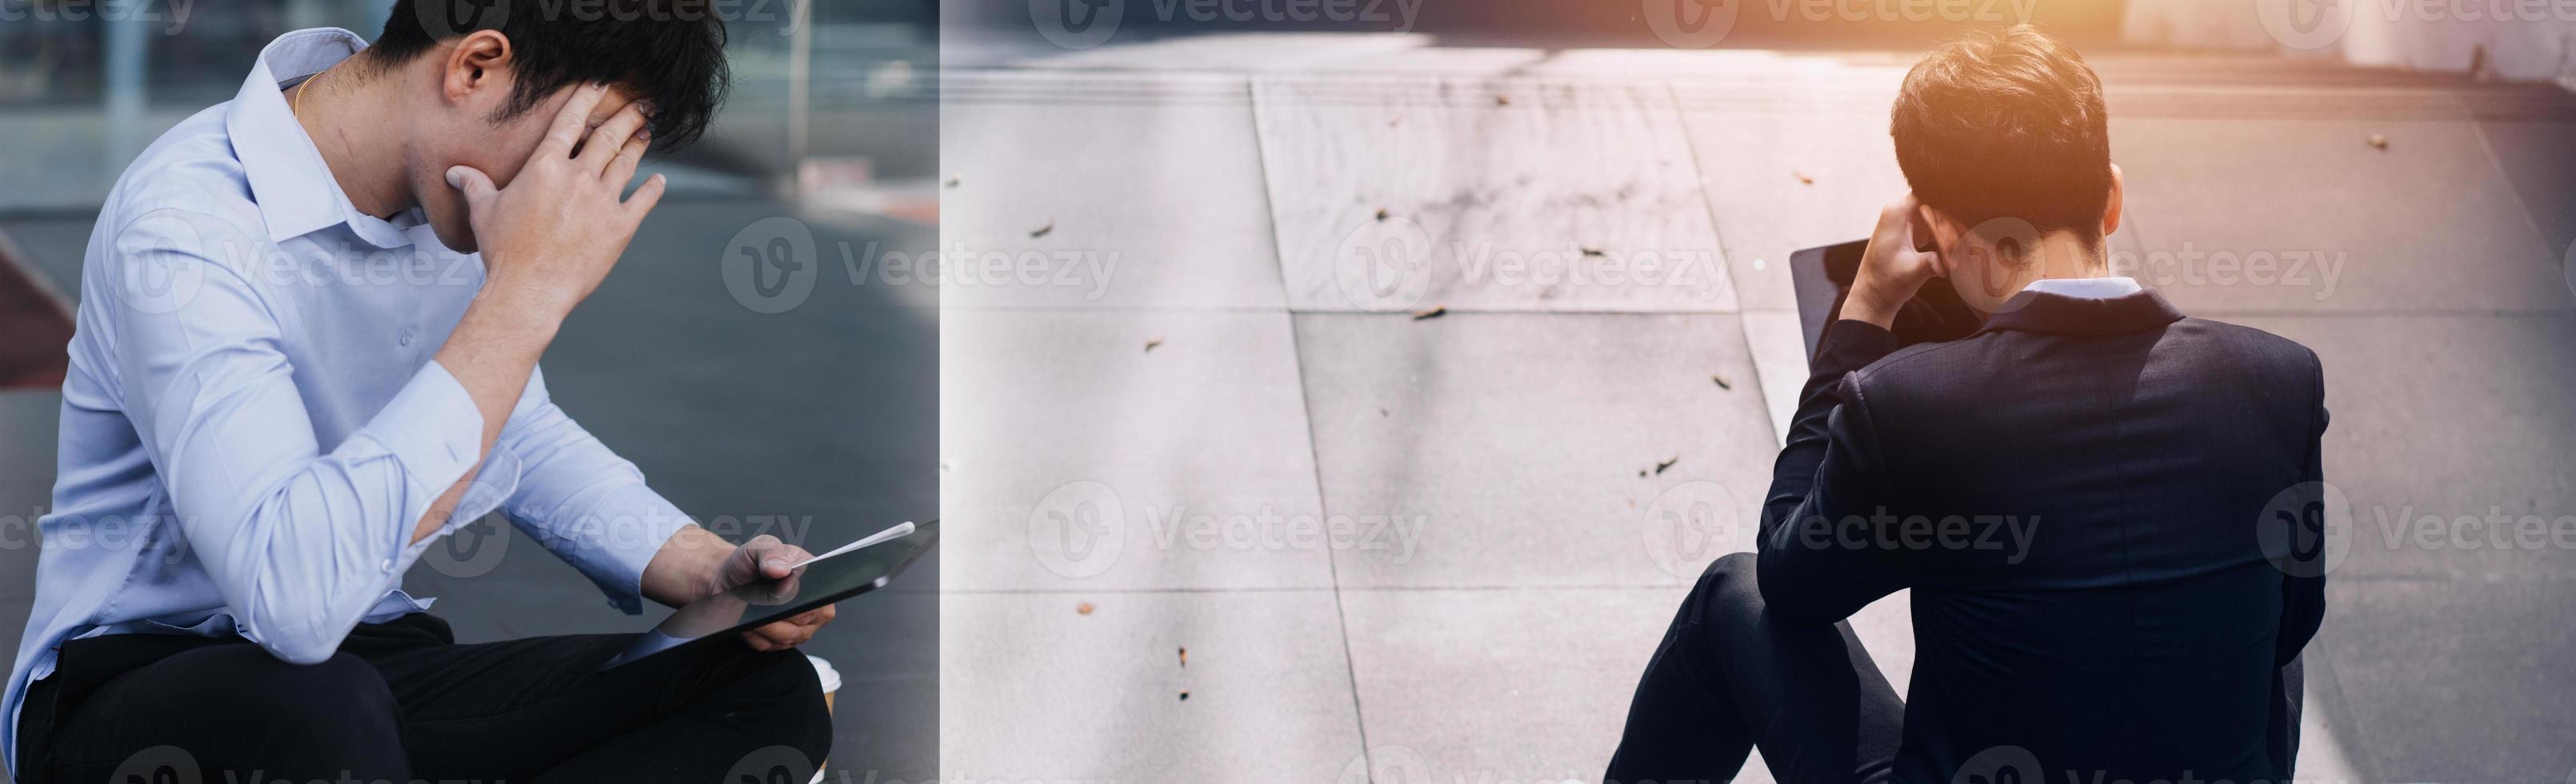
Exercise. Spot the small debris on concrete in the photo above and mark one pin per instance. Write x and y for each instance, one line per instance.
(1721, 383)
(1803, 179)
(1151, 344)
(1185, 656)
(1434, 311)
(1592, 251)
(2378, 141)
(1659, 467)
(954, 181)
(1502, 100)
(1042, 231)
(1185, 695)
(1084, 608)
(1381, 214)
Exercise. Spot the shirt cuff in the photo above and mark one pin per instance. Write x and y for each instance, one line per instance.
(613, 541)
(433, 429)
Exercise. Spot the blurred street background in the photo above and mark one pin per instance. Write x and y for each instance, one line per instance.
(1368, 464)
(814, 421)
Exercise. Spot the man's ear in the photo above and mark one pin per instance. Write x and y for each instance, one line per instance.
(1945, 229)
(2111, 206)
(479, 62)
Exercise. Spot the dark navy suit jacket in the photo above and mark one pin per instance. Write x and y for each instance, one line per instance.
(2077, 495)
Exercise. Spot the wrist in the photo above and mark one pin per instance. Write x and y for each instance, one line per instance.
(1869, 304)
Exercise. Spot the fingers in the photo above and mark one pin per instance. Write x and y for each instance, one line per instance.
(622, 169)
(570, 122)
(476, 185)
(791, 632)
(609, 140)
(647, 195)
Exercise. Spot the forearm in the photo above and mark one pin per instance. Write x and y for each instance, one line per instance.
(494, 348)
(1848, 345)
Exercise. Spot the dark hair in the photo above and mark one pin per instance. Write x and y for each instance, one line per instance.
(669, 53)
(2006, 126)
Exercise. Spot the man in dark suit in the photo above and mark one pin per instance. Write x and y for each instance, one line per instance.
(2108, 512)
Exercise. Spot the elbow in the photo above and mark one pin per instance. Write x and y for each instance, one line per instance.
(300, 632)
(1785, 601)
(301, 648)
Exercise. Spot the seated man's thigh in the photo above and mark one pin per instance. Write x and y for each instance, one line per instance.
(235, 709)
(513, 709)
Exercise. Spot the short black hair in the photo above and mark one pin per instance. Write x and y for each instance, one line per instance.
(2006, 125)
(669, 53)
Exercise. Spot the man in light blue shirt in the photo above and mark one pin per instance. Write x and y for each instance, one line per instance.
(293, 373)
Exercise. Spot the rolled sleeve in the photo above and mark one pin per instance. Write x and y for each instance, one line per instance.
(432, 427)
(300, 541)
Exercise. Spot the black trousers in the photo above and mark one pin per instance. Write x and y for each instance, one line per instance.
(1726, 681)
(401, 701)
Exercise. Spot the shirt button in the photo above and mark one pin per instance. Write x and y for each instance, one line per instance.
(389, 564)
(405, 337)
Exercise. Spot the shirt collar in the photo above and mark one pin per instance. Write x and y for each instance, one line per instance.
(294, 187)
(2086, 288)
(2041, 309)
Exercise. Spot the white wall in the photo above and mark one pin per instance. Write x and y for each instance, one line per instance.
(2524, 40)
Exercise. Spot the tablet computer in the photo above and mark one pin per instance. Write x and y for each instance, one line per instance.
(828, 578)
(1822, 276)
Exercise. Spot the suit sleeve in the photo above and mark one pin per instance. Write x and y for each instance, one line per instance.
(2303, 595)
(1816, 563)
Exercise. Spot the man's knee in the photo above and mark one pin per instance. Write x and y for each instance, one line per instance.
(328, 699)
(330, 718)
(786, 693)
(1728, 592)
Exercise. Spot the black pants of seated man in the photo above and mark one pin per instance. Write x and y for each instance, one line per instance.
(1725, 680)
(401, 701)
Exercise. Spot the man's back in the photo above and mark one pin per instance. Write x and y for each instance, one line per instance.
(2113, 610)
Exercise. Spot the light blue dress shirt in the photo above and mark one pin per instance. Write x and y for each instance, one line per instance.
(252, 426)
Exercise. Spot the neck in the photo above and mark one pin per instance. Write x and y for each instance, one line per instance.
(349, 111)
(2065, 255)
